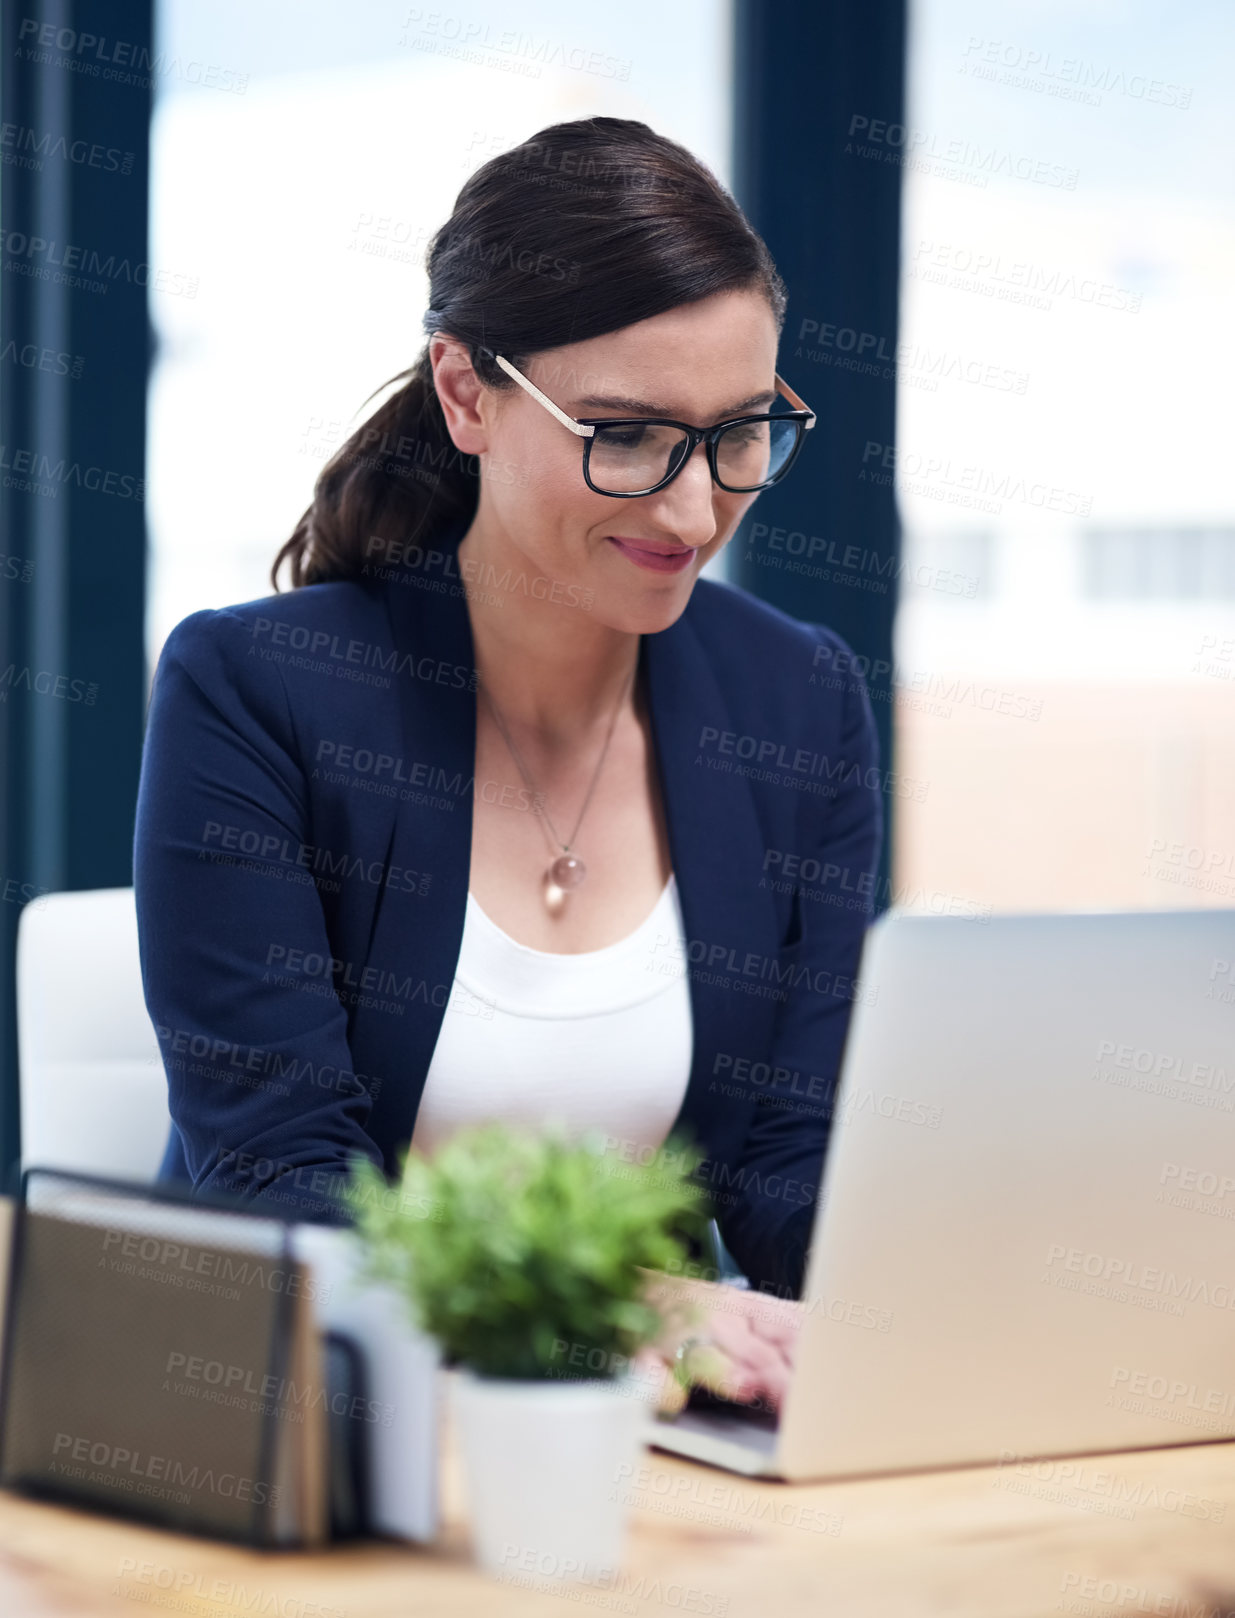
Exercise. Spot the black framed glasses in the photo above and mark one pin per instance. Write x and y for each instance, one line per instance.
(631, 456)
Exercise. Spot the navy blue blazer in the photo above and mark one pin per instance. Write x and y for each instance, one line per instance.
(302, 849)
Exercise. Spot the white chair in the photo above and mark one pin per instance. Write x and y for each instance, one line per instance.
(93, 1092)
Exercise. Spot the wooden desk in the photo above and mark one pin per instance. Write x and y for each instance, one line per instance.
(986, 1542)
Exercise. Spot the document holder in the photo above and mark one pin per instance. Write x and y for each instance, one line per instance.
(160, 1359)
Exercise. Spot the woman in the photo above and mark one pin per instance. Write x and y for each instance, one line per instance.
(483, 817)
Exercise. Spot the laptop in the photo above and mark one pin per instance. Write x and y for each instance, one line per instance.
(1025, 1241)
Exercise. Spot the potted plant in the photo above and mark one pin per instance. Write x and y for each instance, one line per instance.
(524, 1255)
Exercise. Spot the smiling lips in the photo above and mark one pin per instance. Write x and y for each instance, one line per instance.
(657, 555)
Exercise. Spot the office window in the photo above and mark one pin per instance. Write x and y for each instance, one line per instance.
(302, 155)
(1064, 410)
(1139, 564)
(952, 564)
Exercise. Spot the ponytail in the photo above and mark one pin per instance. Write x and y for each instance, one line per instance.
(398, 476)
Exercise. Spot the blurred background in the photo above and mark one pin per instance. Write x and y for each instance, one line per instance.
(1008, 234)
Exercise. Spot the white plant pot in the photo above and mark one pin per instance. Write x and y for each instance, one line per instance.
(546, 1467)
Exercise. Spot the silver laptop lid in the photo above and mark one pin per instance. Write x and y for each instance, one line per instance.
(1025, 1244)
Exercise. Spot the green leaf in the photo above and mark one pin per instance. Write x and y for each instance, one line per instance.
(520, 1252)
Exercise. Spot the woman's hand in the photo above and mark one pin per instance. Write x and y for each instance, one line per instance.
(735, 1343)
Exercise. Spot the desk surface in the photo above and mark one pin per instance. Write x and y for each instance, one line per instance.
(1145, 1532)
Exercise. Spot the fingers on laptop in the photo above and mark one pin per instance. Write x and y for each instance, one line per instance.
(777, 1320)
(754, 1368)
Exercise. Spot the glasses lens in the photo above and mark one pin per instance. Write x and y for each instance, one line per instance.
(754, 452)
(627, 460)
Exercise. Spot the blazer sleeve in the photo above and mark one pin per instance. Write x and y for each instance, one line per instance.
(767, 1223)
(261, 1086)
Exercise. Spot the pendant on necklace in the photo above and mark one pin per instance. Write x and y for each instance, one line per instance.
(566, 872)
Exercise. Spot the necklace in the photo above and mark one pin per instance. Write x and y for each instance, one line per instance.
(567, 870)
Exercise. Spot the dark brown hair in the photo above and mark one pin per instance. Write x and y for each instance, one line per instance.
(583, 229)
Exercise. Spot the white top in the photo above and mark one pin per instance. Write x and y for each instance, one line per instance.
(602, 1039)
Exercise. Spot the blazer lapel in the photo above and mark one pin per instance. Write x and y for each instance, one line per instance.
(435, 680)
(717, 851)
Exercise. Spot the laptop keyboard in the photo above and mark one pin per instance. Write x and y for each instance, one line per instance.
(749, 1415)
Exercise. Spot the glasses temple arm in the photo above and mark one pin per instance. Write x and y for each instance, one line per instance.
(541, 398)
(794, 400)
